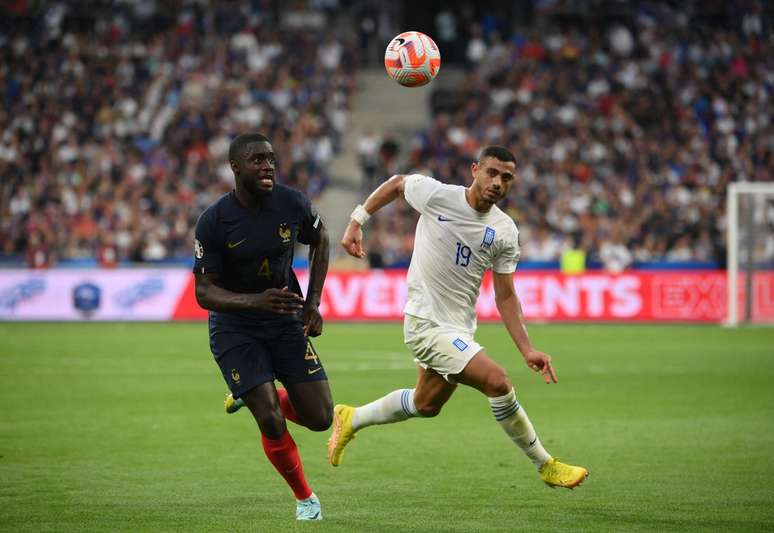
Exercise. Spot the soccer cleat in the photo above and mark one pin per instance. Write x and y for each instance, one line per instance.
(232, 405)
(342, 432)
(309, 509)
(556, 474)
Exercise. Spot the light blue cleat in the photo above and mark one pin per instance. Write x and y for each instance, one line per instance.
(309, 509)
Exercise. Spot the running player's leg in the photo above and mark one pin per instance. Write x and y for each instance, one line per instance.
(299, 368)
(280, 448)
(232, 405)
(425, 339)
(311, 403)
(247, 368)
(432, 391)
(487, 376)
(436, 356)
(430, 394)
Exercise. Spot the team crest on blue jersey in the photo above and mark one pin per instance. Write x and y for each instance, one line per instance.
(489, 235)
(284, 232)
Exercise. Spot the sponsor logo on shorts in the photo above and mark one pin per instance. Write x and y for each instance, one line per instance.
(311, 371)
(235, 376)
(460, 344)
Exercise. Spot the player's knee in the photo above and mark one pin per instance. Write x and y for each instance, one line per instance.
(427, 409)
(320, 421)
(498, 384)
(272, 423)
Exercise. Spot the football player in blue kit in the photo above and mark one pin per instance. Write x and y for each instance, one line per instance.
(259, 321)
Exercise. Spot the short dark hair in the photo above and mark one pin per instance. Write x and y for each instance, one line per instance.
(238, 144)
(498, 152)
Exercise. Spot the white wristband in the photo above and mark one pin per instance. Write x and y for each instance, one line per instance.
(360, 215)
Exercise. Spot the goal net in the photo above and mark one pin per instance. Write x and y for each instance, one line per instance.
(750, 253)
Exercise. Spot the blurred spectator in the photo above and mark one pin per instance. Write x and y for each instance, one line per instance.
(368, 155)
(37, 254)
(107, 253)
(614, 254)
(116, 116)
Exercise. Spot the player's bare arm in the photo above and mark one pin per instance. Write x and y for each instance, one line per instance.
(509, 306)
(387, 192)
(318, 269)
(213, 297)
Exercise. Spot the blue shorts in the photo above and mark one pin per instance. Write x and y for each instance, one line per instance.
(249, 357)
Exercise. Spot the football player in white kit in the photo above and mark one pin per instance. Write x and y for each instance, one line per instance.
(461, 234)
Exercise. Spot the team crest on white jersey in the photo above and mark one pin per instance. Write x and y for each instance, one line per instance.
(489, 235)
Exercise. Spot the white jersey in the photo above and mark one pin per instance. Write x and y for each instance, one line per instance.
(453, 248)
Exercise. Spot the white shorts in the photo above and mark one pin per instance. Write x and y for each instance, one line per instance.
(442, 349)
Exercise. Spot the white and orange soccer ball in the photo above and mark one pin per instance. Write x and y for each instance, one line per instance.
(412, 59)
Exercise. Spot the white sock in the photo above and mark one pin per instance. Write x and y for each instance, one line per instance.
(515, 422)
(394, 407)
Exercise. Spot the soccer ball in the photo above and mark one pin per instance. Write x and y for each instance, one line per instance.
(412, 59)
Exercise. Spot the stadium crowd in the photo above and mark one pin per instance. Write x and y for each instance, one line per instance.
(626, 133)
(116, 117)
(115, 122)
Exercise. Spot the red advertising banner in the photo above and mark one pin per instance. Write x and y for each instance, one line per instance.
(695, 296)
(168, 294)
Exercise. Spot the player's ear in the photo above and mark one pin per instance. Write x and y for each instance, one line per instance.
(473, 167)
(234, 166)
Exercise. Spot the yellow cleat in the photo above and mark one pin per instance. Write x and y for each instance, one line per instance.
(556, 474)
(232, 405)
(342, 432)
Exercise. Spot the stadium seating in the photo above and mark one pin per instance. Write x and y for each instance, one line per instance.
(627, 129)
(116, 119)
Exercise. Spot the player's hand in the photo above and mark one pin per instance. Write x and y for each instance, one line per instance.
(280, 301)
(541, 362)
(313, 321)
(352, 241)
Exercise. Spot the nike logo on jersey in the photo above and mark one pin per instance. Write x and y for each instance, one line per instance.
(442, 218)
(310, 371)
(235, 244)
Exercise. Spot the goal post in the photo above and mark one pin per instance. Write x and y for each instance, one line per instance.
(750, 252)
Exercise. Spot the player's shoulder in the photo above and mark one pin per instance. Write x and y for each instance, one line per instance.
(425, 179)
(504, 221)
(218, 209)
(430, 186)
(285, 196)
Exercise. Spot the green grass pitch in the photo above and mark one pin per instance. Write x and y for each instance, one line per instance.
(120, 427)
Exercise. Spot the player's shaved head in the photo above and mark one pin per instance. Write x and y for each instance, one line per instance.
(238, 145)
(498, 152)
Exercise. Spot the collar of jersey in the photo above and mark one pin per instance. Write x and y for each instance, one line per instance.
(473, 211)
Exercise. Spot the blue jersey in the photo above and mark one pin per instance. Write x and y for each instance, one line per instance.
(252, 248)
